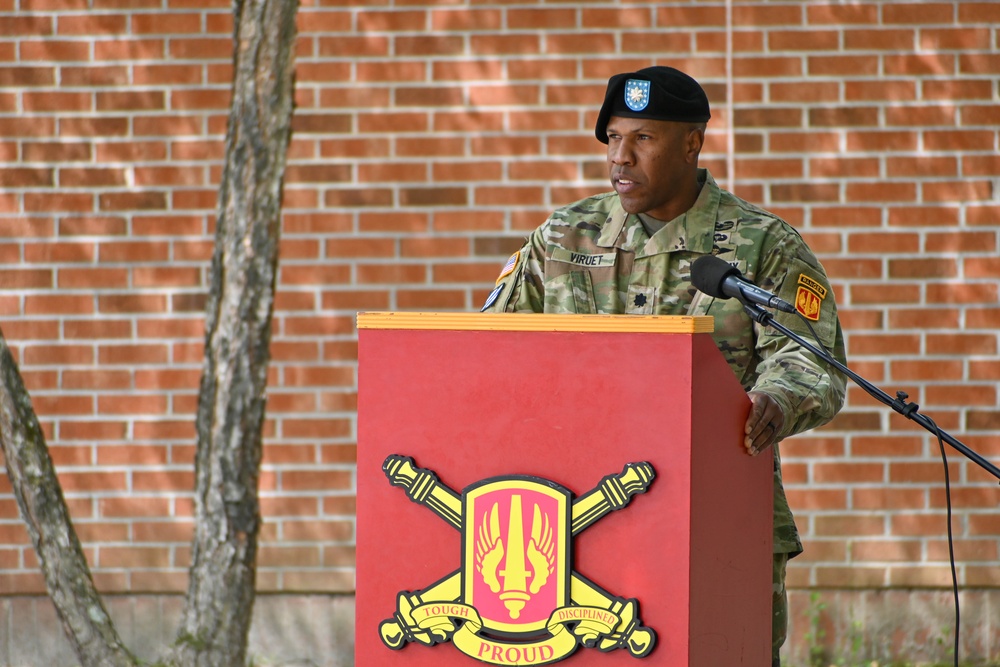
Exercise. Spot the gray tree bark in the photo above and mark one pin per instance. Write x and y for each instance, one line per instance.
(40, 499)
(231, 402)
(218, 612)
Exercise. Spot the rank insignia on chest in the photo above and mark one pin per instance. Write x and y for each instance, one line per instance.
(809, 298)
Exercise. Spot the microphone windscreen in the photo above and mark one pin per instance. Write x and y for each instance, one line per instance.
(708, 273)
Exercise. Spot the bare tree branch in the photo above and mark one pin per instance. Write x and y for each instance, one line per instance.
(40, 499)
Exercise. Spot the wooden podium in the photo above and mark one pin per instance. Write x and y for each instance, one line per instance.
(540, 488)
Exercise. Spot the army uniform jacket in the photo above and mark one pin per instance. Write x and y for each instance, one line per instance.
(593, 257)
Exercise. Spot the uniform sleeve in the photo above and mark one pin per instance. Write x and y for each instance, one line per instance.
(809, 392)
(520, 285)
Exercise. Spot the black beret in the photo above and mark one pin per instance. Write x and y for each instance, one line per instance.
(660, 93)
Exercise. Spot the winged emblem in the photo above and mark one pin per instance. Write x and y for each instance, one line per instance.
(489, 548)
(541, 550)
(511, 582)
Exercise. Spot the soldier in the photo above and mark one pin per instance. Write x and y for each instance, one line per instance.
(630, 251)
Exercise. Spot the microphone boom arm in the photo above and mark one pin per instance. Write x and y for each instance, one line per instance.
(899, 404)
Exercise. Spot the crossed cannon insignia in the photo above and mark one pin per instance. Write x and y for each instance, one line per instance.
(515, 600)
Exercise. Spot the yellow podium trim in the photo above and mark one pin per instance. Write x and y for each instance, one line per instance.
(537, 322)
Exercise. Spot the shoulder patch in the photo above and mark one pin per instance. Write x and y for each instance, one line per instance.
(492, 298)
(508, 268)
(809, 297)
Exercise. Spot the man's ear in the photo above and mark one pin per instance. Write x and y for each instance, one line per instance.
(695, 142)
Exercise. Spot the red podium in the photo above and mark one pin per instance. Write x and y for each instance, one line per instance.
(539, 488)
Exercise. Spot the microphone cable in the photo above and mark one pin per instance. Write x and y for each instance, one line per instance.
(947, 497)
(951, 538)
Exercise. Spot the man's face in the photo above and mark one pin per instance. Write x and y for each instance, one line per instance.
(653, 164)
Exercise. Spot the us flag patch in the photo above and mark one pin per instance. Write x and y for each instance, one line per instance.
(509, 266)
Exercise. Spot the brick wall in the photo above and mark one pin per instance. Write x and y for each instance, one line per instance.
(429, 137)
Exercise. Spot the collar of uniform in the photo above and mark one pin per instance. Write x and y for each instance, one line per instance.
(701, 218)
(693, 230)
(612, 229)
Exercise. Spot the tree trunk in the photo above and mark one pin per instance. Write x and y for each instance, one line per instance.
(39, 497)
(231, 402)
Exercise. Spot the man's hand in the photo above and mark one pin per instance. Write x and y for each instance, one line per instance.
(763, 423)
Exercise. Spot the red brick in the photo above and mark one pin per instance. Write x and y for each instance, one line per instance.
(163, 531)
(323, 326)
(849, 524)
(816, 499)
(920, 576)
(327, 580)
(23, 583)
(881, 140)
(433, 247)
(899, 551)
(918, 13)
(74, 278)
(355, 299)
(885, 344)
(839, 269)
(289, 506)
(884, 243)
(339, 454)
(434, 299)
(854, 216)
(89, 482)
(844, 65)
(920, 472)
(884, 447)
(964, 344)
(918, 524)
(979, 63)
(339, 556)
(314, 480)
(867, 39)
(983, 318)
(22, 177)
(392, 273)
(318, 21)
(889, 499)
(162, 481)
(922, 268)
(134, 557)
(966, 551)
(916, 369)
(984, 524)
(805, 192)
(902, 192)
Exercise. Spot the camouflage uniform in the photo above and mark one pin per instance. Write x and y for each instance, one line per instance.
(593, 257)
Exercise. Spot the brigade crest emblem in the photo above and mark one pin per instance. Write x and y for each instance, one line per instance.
(809, 298)
(515, 599)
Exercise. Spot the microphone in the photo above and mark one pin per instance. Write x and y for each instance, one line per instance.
(717, 277)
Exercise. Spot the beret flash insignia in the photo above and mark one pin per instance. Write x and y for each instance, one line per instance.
(637, 94)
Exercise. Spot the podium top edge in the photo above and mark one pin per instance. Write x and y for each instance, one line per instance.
(537, 322)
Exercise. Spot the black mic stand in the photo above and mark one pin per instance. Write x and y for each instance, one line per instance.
(899, 404)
